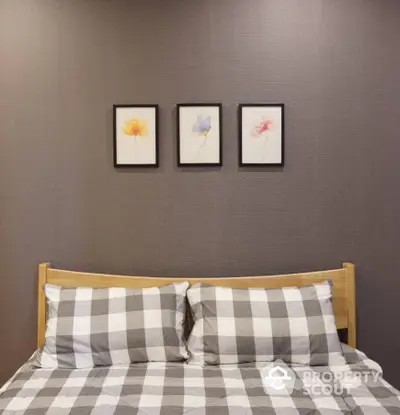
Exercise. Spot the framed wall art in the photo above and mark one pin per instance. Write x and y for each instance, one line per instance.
(261, 134)
(199, 128)
(135, 135)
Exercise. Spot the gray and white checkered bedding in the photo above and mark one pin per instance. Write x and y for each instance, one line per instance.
(237, 325)
(89, 327)
(179, 388)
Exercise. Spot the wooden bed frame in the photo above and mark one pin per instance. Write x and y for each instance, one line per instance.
(343, 280)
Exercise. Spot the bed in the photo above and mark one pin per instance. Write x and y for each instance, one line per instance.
(179, 388)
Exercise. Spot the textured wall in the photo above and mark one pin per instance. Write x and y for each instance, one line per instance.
(335, 64)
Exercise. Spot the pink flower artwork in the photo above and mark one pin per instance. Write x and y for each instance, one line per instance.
(263, 126)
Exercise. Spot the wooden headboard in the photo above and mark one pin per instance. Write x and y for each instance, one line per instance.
(343, 280)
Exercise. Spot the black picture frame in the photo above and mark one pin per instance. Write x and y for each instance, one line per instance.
(281, 162)
(154, 164)
(179, 138)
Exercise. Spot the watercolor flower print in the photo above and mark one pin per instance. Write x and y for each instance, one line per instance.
(261, 134)
(135, 135)
(261, 129)
(202, 127)
(199, 134)
(135, 127)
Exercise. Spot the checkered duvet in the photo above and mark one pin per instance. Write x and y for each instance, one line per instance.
(178, 388)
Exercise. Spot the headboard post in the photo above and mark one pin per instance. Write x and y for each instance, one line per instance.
(351, 303)
(41, 317)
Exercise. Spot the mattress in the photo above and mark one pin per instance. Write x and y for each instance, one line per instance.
(178, 388)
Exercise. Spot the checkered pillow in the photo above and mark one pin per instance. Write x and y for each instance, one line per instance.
(89, 327)
(235, 325)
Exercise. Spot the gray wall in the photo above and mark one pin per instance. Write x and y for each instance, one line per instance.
(336, 66)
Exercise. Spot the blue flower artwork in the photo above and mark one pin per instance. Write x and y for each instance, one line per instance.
(202, 126)
(199, 134)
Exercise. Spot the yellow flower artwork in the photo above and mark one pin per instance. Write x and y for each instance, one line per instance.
(135, 127)
(135, 135)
